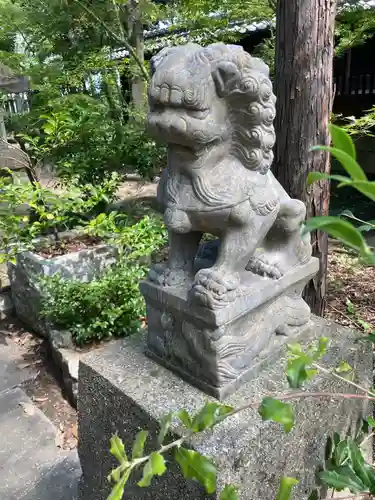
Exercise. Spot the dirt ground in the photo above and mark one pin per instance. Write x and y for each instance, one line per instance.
(350, 291)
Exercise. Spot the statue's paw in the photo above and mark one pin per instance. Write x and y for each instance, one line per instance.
(165, 276)
(264, 267)
(214, 289)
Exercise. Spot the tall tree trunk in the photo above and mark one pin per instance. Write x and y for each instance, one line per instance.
(135, 29)
(303, 83)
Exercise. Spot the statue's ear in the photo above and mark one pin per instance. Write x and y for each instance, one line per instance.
(224, 75)
(160, 56)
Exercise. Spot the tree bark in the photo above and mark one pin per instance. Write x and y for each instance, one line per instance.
(135, 28)
(304, 90)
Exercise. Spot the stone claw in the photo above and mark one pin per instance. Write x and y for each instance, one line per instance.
(165, 276)
(214, 290)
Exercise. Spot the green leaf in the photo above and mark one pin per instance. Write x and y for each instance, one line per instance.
(349, 163)
(363, 470)
(155, 466)
(117, 492)
(165, 424)
(277, 411)
(185, 418)
(371, 421)
(343, 367)
(285, 488)
(210, 415)
(320, 176)
(196, 466)
(229, 493)
(341, 478)
(139, 444)
(365, 187)
(342, 140)
(117, 449)
(339, 229)
(298, 371)
(340, 453)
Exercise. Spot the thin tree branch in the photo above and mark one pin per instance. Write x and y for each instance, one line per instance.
(335, 375)
(303, 395)
(121, 40)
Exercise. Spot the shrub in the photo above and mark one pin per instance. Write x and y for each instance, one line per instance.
(109, 306)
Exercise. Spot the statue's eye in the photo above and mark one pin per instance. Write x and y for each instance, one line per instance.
(199, 114)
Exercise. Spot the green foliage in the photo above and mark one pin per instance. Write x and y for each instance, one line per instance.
(195, 466)
(346, 468)
(286, 486)
(277, 411)
(30, 210)
(108, 306)
(344, 150)
(229, 493)
(135, 240)
(299, 366)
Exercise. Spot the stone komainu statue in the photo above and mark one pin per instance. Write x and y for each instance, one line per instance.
(216, 311)
(215, 108)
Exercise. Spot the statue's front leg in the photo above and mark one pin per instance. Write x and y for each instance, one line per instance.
(180, 265)
(217, 286)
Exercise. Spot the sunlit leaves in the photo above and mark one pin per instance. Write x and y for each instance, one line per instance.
(165, 424)
(195, 466)
(139, 444)
(286, 486)
(277, 411)
(299, 369)
(117, 449)
(341, 230)
(155, 466)
(210, 415)
(229, 493)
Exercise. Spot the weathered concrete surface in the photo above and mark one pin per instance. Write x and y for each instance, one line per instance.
(6, 303)
(31, 465)
(121, 390)
(67, 361)
(13, 371)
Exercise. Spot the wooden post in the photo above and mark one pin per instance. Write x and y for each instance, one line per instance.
(303, 83)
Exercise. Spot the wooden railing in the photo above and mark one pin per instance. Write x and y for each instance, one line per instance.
(354, 85)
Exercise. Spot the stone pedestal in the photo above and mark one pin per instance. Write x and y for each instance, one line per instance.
(121, 390)
(219, 349)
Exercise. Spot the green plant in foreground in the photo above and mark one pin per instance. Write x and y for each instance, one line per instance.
(343, 150)
(343, 456)
(108, 306)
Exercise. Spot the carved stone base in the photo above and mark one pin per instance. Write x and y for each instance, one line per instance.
(218, 350)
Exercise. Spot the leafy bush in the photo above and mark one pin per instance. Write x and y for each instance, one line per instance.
(135, 240)
(110, 306)
(28, 211)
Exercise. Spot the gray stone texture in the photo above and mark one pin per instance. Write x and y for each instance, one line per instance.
(214, 107)
(67, 361)
(25, 275)
(121, 390)
(31, 465)
(13, 371)
(6, 303)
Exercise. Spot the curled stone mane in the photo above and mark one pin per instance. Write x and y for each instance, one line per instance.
(251, 104)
